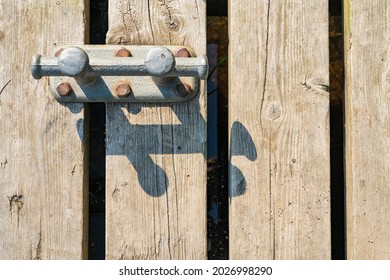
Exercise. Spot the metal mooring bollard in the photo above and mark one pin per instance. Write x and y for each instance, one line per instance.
(153, 74)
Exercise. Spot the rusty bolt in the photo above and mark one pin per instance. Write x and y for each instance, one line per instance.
(122, 89)
(58, 53)
(64, 88)
(182, 52)
(183, 89)
(122, 52)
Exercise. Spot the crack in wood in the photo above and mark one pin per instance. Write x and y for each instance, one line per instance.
(3, 88)
(38, 249)
(265, 64)
(4, 163)
(150, 20)
(15, 200)
(315, 86)
(16, 204)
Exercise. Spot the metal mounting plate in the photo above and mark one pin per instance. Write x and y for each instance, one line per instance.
(143, 88)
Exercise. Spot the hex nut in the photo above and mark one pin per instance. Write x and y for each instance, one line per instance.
(183, 89)
(64, 89)
(182, 52)
(122, 89)
(123, 52)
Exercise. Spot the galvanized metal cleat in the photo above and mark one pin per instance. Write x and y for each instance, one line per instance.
(105, 73)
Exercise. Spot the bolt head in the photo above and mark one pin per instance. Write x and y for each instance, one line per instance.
(159, 61)
(73, 62)
(182, 52)
(122, 52)
(64, 89)
(122, 89)
(183, 89)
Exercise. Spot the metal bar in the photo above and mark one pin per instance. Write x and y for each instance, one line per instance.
(114, 66)
(126, 74)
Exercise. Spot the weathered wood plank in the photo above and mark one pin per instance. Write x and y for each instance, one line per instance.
(367, 116)
(156, 155)
(279, 129)
(42, 143)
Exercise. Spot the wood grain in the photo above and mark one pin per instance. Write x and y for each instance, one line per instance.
(279, 130)
(42, 142)
(367, 116)
(156, 154)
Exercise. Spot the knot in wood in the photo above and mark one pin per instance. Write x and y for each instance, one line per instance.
(274, 111)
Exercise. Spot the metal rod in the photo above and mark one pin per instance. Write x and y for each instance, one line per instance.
(160, 62)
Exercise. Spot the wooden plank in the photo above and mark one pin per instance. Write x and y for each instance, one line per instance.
(279, 129)
(367, 116)
(156, 154)
(42, 142)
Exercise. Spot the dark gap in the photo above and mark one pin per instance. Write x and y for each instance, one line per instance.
(217, 8)
(336, 67)
(217, 132)
(97, 149)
